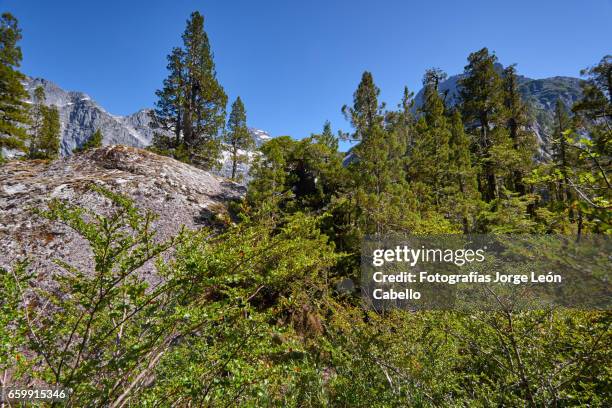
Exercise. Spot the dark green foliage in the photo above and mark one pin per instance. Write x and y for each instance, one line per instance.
(432, 145)
(365, 112)
(238, 136)
(517, 125)
(482, 108)
(594, 110)
(270, 186)
(380, 198)
(45, 129)
(327, 138)
(168, 115)
(191, 104)
(579, 176)
(596, 89)
(292, 176)
(93, 142)
(563, 157)
(14, 112)
(50, 137)
(403, 120)
(449, 189)
(465, 200)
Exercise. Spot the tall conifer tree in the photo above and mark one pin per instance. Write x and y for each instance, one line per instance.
(561, 150)
(14, 113)
(237, 135)
(327, 138)
(49, 142)
(591, 180)
(168, 113)
(191, 104)
(466, 200)
(383, 199)
(517, 124)
(482, 97)
(439, 167)
(403, 120)
(365, 112)
(44, 129)
(432, 146)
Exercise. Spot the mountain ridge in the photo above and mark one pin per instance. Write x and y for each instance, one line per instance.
(81, 116)
(541, 95)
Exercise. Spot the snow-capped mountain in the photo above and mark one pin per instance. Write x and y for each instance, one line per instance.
(81, 116)
(260, 136)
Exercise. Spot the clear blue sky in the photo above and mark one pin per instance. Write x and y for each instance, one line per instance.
(295, 63)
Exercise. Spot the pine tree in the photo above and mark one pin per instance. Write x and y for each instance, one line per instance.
(439, 166)
(45, 128)
(433, 77)
(14, 115)
(591, 179)
(365, 112)
(37, 114)
(93, 142)
(238, 136)
(466, 201)
(561, 153)
(192, 103)
(431, 149)
(327, 137)
(517, 124)
(204, 116)
(49, 143)
(168, 113)
(481, 95)
(403, 121)
(595, 107)
(383, 198)
(383, 201)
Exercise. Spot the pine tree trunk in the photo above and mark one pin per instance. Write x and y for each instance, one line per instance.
(490, 188)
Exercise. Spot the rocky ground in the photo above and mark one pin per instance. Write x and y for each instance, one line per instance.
(180, 194)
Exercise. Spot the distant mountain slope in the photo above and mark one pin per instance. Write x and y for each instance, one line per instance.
(80, 116)
(542, 95)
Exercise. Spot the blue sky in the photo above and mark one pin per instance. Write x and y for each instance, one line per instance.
(295, 63)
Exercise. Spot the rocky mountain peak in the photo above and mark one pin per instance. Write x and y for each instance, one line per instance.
(81, 116)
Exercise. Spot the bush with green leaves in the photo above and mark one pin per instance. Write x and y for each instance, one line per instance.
(248, 316)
